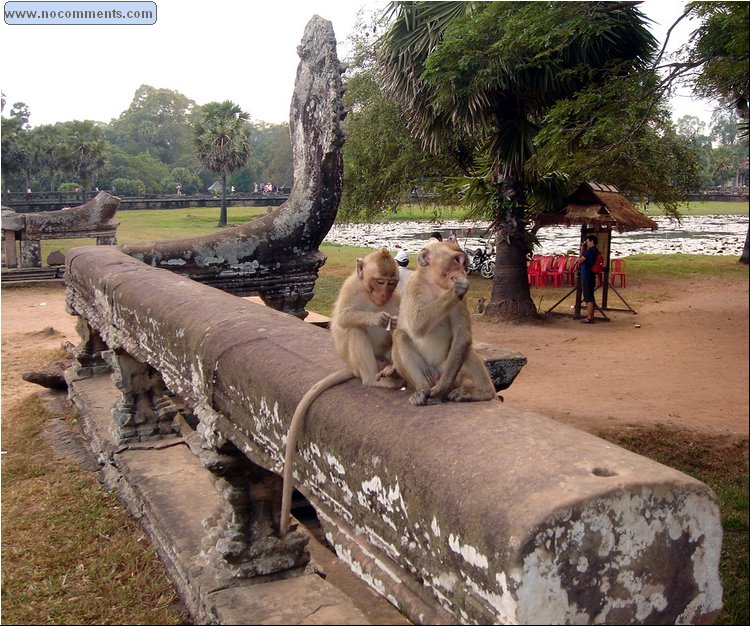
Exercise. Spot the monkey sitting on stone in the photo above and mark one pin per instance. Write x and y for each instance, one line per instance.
(364, 315)
(432, 346)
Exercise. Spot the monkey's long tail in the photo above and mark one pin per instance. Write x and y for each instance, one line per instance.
(298, 421)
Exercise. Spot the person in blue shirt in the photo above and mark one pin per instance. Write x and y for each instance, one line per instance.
(589, 254)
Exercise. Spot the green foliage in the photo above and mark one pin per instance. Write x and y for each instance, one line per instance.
(129, 187)
(69, 186)
(157, 122)
(221, 137)
(189, 182)
(83, 153)
(721, 46)
(382, 163)
(14, 156)
(272, 156)
(144, 167)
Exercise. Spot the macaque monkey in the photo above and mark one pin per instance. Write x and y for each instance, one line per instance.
(432, 346)
(364, 316)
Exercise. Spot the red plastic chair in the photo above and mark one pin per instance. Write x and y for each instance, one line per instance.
(618, 272)
(548, 266)
(571, 270)
(558, 271)
(534, 271)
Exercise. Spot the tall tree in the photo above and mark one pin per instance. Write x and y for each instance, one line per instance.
(84, 153)
(47, 144)
(16, 157)
(720, 49)
(158, 121)
(382, 162)
(479, 80)
(222, 143)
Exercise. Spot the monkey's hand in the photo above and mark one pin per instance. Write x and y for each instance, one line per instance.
(386, 320)
(460, 287)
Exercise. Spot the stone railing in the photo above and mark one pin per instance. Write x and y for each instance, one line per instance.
(457, 513)
(95, 219)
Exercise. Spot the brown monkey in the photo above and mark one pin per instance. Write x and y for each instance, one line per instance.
(432, 347)
(364, 316)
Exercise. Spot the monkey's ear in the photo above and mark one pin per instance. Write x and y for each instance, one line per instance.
(423, 258)
(360, 266)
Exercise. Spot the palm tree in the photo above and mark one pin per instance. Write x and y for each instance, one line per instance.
(222, 143)
(47, 143)
(83, 152)
(478, 79)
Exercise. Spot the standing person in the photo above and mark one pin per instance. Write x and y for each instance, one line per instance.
(402, 258)
(589, 260)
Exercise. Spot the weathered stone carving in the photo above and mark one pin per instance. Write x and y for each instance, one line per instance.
(276, 255)
(93, 219)
(144, 410)
(88, 359)
(245, 534)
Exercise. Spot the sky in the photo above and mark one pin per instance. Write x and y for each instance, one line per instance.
(245, 52)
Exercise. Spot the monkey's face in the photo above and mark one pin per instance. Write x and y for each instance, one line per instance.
(380, 289)
(447, 265)
(378, 272)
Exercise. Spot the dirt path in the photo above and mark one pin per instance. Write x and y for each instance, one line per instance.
(686, 365)
(681, 361)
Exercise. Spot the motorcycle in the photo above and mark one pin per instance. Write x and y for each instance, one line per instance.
(482, 260)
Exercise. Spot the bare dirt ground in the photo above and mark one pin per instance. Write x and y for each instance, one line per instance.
(680, 361)
(685, 366)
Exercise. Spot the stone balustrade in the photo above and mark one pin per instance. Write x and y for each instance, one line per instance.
(95, 219)
(457, 513)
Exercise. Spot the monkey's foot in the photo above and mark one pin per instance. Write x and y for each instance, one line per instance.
(459, 394)
(389, 371)
(422, 398)
(390, 383)
(463, 394)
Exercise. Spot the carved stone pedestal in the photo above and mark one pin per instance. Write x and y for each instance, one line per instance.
(244, 537)
(144, 411)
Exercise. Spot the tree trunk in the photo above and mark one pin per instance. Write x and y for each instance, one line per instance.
(511, 296)
(223, 212)
(745, 258)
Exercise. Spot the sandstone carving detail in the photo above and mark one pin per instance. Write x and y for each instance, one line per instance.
(277, 256)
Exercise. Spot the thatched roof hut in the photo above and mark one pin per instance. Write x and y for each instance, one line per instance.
(599, 209)
(596, 205)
